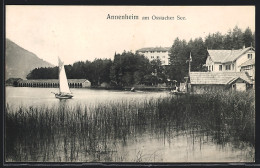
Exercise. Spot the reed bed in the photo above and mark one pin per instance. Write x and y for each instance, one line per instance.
(90, 134)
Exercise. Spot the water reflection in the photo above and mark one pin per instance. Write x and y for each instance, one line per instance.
(120, 131)
(62, 103)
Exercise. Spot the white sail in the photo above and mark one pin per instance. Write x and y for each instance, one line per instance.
(64, 87)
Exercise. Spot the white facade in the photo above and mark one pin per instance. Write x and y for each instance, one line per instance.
(222, 67)
(228, 60)
(161, 53)
(86, 83)
(245, 57)
(239, 87)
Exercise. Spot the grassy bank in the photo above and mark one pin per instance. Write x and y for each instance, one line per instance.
(91, 134)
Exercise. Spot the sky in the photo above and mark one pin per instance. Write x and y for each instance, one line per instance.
(80, 33)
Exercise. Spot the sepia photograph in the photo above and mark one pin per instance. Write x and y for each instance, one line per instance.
(135, 84)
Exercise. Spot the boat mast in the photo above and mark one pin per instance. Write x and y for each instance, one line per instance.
(59, 72)
(189, 64)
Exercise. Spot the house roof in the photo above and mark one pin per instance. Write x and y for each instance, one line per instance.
(218, 78)
(154, 49)
(227, 55)
(249, 62)
(52, 81)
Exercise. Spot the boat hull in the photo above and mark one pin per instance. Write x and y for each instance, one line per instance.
(63, 96)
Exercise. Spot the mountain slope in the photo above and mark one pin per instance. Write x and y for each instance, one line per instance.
(19, 62)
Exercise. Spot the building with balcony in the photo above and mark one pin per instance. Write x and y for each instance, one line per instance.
(249, 67)
(231, 60)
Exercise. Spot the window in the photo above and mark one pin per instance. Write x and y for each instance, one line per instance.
(233, 66)
(247, 67)
(152, 56)
(163, 62)
(163, 56)
(158, 57)
(212, 67)
(220, 67)
(249, 56)
(228, 67)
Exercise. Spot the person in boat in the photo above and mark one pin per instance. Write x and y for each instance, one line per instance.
(174, 89)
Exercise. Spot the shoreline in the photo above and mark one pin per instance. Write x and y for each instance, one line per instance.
(126, 88)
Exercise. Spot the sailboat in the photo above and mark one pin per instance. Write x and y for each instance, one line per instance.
(64, 92)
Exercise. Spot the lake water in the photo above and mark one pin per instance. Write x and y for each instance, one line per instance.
(29, 96)
(179, 146)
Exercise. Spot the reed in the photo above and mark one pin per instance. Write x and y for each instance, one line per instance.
(91, 134)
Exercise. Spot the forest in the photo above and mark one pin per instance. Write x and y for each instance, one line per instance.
(128, 68)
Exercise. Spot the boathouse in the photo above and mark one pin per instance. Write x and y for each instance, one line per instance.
(201, 82)
(73, 83)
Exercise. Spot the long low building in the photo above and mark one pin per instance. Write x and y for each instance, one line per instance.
(213, 81)
(73, 83)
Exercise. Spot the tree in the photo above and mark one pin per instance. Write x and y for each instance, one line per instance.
(129, 69)
(214, 41)
(253, 40)
(178, 56)
(198, 54)
(248, 38)
(98, 71)
(43, 73)
(228, 41)
(237, 38)
(77, 71)
(105, 71)
(158, 71)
